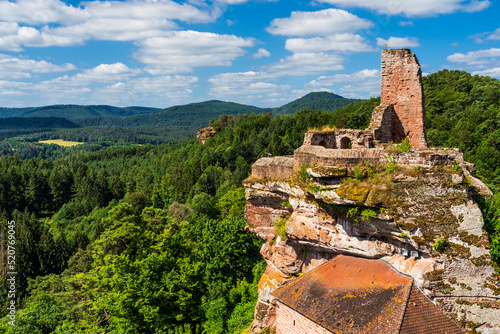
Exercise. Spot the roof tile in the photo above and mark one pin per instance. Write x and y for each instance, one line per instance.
(357, 295)
(423, 317)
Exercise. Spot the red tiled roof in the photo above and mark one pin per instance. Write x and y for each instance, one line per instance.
(423, 317)
(356, 295)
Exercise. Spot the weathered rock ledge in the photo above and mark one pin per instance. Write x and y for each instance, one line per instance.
(318, 213)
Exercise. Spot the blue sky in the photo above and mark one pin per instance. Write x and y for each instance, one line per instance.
(161, 53)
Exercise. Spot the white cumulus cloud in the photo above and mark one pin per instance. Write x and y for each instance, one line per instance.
(405, 23)
(481, 59)
(248, 87)
(306, 63)
(341, 78)
(346, 42)
(13, 37)
(180, 51)
(41, 23)
(321, 23)
(156, 91)
(414, 8)
(112, 29)
(16, 68)
(103, 73)
(147, 10)
(40, 12)
(361, 84)
(116, 85)
(495, 36)
(398, 42)
(491, 72)
(261, 53)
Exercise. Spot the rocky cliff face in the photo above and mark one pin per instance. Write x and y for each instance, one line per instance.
(206, 133)
(379, 212)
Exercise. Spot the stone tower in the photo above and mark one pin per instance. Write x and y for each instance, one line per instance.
(402, 88)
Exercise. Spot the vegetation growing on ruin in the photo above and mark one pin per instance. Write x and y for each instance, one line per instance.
(397, 191)
(280, 227)
(440, 244)
(324, 128)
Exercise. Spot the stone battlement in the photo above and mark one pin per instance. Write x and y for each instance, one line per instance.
(278, 167)
(429, 157)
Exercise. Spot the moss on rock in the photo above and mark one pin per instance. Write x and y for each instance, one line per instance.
(353, 193)
(378, 197)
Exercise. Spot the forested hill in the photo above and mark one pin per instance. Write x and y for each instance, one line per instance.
(316, 101)
(199, 114)
(35, 123)
(193, 115)
(138, 124)
(75, 111)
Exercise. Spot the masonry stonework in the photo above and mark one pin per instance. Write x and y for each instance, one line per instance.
(280, 167)
(289, 321)
(402, 88)
(385, 125)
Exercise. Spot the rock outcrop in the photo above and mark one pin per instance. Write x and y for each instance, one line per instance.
(387, 215)
(353, 192)
(206, 133)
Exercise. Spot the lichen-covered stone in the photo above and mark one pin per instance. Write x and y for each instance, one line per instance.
(355, 194)
(377, 218)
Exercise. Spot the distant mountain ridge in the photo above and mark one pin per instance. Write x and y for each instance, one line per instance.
(36, 123)
(185, 119)
(71, 111)
(316, 100)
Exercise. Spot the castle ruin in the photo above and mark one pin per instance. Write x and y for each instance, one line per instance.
(313, 211)
(400, 115)
(402, 89)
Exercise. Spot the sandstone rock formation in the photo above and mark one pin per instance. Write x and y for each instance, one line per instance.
(414, 209)
(206, 133)
(379, 217)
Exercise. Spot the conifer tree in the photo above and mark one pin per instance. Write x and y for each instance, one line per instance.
(101, 189)
(81, 240)
(47, 253)
(62, 255)
(27, 262)
(32, 193)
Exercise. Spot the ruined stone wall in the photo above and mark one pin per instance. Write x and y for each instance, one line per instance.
(356, 138)
(206, 133)
(337, 139)
(317, 155)
(325, 139)
(429, 157)
(402, 87)
(385, 125)
(289, 321)
(276, 167)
